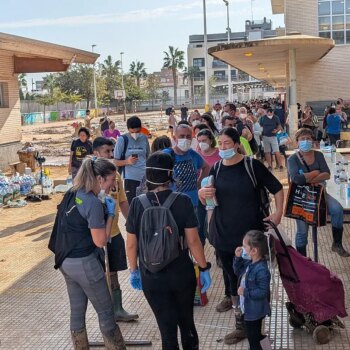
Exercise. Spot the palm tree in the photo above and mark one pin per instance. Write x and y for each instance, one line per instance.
(174, 60)
(110, 70)
(22, 83)
(138, 71)
(49, 82)
(190, 73)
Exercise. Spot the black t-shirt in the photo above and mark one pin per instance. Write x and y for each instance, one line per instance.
(80, 151)
(184, 110)
(104, 124)
(185, 217)
(238, 210)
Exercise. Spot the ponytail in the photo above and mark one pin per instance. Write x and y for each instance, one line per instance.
(89, 170)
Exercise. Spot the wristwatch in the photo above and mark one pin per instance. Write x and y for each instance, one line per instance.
(202, 269)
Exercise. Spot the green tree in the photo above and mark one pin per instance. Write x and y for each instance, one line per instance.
(138, 71)
(174, 60)
(50, 82)
(78, 80)
(152, 87)
(22, 84)
(110, 72)
(190, 73)
(132, 91)
(45, 100)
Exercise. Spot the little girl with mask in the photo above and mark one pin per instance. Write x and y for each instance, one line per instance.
(251, 266)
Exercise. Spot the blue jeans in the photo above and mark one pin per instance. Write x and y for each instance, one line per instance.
(335, 210)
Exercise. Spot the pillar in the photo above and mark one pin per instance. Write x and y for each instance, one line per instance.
(293, 108)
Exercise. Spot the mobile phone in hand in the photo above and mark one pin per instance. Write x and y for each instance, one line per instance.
(135, 155)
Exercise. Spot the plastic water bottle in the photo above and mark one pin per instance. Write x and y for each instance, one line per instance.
(322, 145)
(348, 196)
(337, 182)
(69, 181)
(333, 154)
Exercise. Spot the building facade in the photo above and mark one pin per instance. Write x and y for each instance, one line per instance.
(328, 78)
(244, 86)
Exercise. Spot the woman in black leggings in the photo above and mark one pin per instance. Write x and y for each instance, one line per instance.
(170, 292)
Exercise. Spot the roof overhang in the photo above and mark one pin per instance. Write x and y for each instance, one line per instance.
(34, 56)
(267, 59)
(277, 6)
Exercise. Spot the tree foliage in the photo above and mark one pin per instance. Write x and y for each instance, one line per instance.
(110, 71)
(138, 71)
(174, 60)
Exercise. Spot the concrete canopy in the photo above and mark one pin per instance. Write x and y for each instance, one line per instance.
(267, 59)
(277, 6)
(34, 56)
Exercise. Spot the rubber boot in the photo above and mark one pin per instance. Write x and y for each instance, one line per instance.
(114, 340)
(302, 250)
(337, 245)
(80, 340)
(239, 333)
(119, 313)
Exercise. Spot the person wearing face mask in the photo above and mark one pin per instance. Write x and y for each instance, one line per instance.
(237, 211)
(189, 168)
(308, 166)
(169, 292)
(82, 228)
(207, 149)
(271, 126)
(194, 119)
(130, 153)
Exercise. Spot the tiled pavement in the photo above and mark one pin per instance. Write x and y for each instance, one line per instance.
(34, 311)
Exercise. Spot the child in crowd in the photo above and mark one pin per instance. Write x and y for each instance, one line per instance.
(254, 291)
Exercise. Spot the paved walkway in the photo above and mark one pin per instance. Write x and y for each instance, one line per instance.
(34, 309)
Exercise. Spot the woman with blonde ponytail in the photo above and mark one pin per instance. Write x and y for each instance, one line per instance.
(82, 228)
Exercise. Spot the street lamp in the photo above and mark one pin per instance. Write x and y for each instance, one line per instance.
(228, 42)
(95, 91)
(206, 78)
(123, 88)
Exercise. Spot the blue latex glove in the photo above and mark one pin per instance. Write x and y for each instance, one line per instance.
(135, 279)
(110, 204)
(205, 280)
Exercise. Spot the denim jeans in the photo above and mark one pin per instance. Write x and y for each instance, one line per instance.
(335, 210)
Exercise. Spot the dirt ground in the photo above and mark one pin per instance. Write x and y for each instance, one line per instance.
(27, 229)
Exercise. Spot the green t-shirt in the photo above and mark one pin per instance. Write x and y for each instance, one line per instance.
(246, 146)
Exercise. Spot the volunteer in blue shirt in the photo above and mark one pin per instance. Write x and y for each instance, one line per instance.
(132, 156)
(333, 126)
(188, 164)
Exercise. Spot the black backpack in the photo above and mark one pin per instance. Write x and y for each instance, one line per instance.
(159, 240)
(121, 169)
(263, 194)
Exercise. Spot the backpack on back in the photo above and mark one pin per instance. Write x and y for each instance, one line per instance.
(159, 241)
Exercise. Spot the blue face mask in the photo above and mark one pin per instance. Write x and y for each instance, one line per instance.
(305, 145)
(245, 255)
(227, 153)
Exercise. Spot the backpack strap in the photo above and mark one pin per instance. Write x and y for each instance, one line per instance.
(123, 154)
(217, 167)
(144, 201)
(248, 164)
(170, 200)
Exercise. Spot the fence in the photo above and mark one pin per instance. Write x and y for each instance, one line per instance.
(51, 116)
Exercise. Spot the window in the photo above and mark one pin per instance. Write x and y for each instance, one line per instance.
(199, 76)
(324, 8)
(4, 95)
(198, 62)
(220, 75)
(219, 64)
(233, 74)
(333, 20)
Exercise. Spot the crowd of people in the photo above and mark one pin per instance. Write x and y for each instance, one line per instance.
(124, 173)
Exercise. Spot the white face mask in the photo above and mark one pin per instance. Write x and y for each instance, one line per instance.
(195, 122)
(134, 135)
(102, 195)
(184, 145)
(243, 116)
(270, 116)
(203, 146)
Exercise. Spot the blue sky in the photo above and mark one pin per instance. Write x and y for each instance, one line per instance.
(142, 29)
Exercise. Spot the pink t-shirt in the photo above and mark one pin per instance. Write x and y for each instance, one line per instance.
(212, 159)
(107, 133)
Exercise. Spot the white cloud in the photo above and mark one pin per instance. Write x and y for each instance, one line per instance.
(185, 9)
